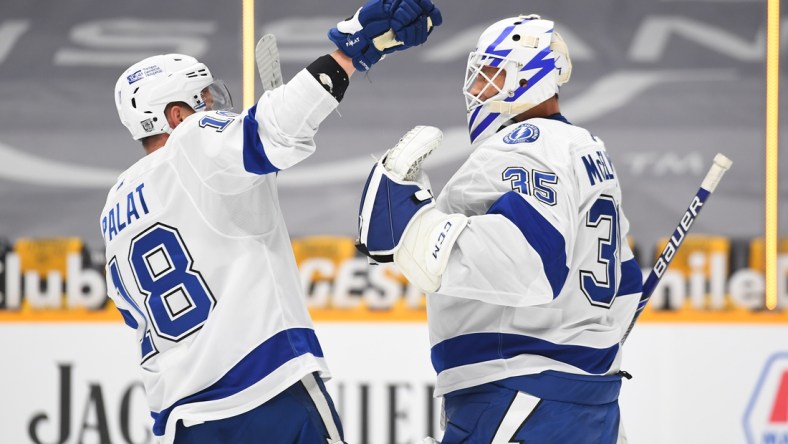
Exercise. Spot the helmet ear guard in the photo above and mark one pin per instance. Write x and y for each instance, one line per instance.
(535, 60)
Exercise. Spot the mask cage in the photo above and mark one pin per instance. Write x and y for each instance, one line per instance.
(476, 63)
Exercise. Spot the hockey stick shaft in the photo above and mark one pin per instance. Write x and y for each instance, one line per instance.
(266, 54)
(719, 167)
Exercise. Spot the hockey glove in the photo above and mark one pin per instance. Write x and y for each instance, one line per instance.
(398, 219)
(381, 27)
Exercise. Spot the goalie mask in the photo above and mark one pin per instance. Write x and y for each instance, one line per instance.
(145, 89)
(531, 58)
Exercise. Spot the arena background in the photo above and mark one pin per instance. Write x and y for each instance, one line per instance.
(667, 84)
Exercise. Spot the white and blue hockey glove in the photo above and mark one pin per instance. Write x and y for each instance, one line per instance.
(381, 27)
(398, 219)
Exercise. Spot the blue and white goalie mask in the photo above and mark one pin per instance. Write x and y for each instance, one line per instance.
(531, 60)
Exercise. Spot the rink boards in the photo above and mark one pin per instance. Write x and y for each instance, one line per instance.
(709, 365)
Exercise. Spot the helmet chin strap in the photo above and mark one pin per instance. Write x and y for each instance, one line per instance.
(512, 108)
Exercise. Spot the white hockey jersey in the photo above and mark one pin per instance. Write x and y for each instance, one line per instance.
(200, 263)
(542, 278)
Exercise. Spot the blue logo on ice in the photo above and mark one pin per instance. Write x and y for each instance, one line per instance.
(766, 415)
(523, 133)
(135, 76)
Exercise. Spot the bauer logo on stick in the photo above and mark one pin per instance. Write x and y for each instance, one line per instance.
(678, 236)
(718, 168)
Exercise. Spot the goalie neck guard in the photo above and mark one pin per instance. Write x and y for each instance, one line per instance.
(535, 62)
(145, 89)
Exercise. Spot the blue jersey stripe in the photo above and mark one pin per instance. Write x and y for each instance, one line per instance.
(481, 347)
(255, 159)
(128, 318)
(259, 363)
(631, 278)
(548, 242)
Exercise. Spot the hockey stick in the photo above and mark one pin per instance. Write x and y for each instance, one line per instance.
(710, 182)
(266, 55)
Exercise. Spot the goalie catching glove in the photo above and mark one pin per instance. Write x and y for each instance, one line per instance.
(381, 27)
(398, 219)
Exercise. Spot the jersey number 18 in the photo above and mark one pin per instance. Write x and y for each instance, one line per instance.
(175, 297)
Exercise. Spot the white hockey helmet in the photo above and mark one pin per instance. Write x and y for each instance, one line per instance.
(534, 60)
(144, 90)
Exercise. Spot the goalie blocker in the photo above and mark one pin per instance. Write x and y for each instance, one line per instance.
(397, 218)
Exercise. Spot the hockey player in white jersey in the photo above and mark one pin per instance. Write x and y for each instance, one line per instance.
(199, 261)
(530, 280)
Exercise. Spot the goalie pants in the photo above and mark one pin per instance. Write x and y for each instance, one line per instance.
(551, 407)
(303, 413)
